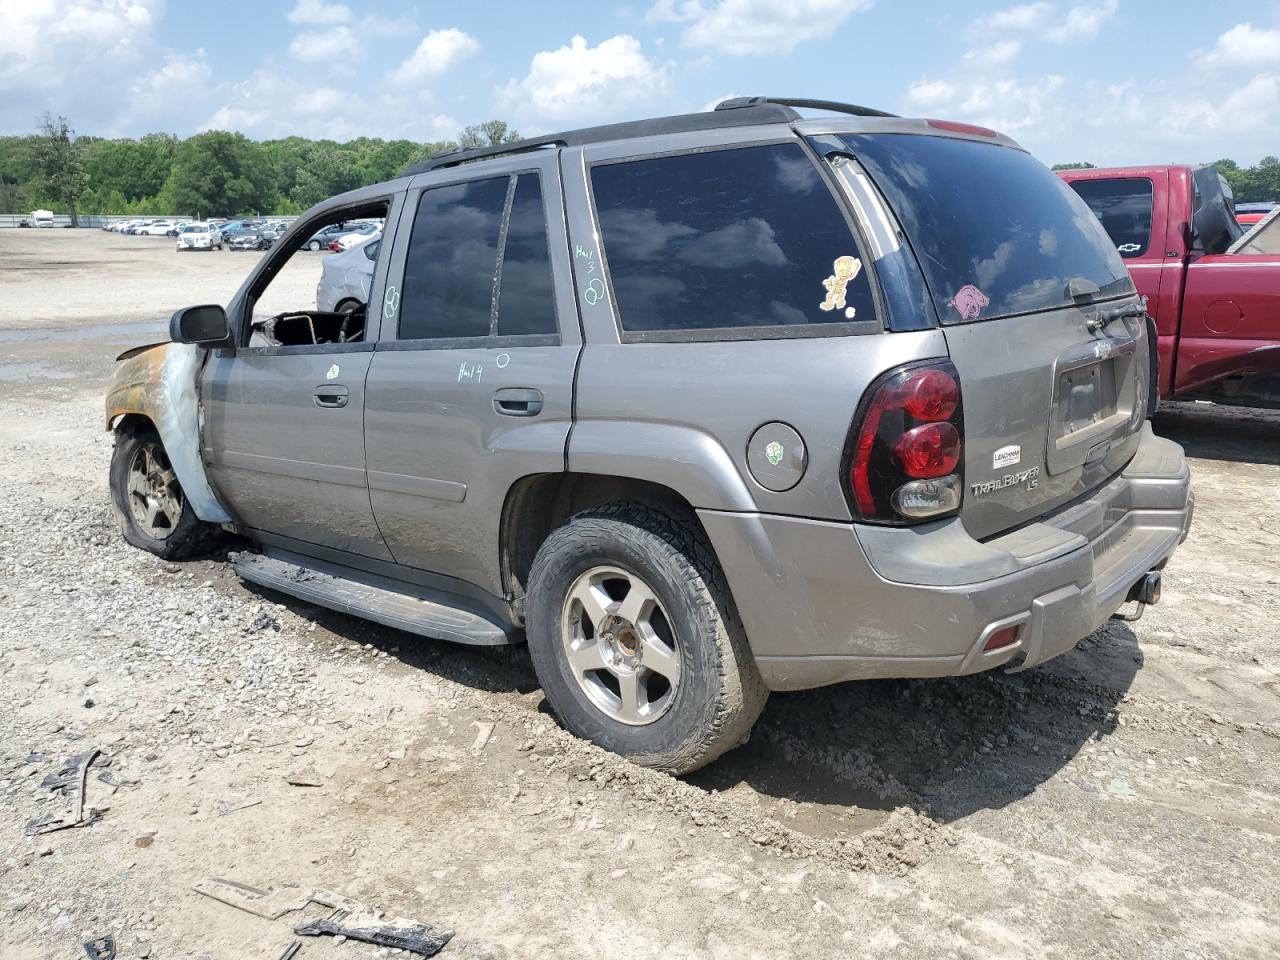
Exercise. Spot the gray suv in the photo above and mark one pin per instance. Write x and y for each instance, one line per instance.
(701, 407)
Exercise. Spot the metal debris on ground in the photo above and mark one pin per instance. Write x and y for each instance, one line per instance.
(271, 904)
(368, 926)
(224, 807)
(291, 950)
(68, 781)
(103, 948)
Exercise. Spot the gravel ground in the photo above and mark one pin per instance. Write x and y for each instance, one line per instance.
(1120, 801)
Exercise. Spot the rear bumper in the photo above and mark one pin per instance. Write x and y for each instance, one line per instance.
(826, 602)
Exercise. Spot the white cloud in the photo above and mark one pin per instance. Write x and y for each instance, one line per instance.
(993, 55)
(164, 98)
(438, 53)
(39, 38)
(1005, 103)
(1043, 20)
(578, 82)
(318, 45)
(1083, 22)
(317, 11)
(745, 27)
(1244, 45)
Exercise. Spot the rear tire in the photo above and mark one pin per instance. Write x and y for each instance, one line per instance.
(668, 680)
(314, 245)
(153, 513)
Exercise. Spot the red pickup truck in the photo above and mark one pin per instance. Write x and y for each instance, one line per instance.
(1213, 290)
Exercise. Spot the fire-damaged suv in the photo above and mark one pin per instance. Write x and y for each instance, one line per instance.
(701, 407)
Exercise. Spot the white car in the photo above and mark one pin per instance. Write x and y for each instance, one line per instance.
(199, 236)
(157, 229)
(359, 235)
(345, 277)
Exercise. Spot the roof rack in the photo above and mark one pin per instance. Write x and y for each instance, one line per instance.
(739, 103)
(738, 112)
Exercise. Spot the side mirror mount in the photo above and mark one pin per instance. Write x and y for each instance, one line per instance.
(205, 325)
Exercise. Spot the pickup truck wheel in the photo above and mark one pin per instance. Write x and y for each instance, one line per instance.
(636, 642)
(150, 506)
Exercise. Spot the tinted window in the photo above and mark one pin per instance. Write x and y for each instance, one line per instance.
(729, 238)
(525, 301)
(995, 231)
(371, 249)
(1124, 208)
(451, 262)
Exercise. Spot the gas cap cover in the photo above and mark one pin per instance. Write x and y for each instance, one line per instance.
(776, 457)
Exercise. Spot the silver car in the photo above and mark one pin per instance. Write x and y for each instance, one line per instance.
(699, 407)
(345, 277)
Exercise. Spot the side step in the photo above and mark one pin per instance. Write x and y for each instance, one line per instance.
(393, 603)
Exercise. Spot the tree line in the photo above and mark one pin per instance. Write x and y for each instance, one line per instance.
(216, 173)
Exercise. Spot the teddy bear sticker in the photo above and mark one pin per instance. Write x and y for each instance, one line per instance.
(843, 270)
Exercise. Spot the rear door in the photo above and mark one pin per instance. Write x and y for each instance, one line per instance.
(471, 385)
(1028, 286)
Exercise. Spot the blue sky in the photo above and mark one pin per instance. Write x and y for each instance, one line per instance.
(1111, 81)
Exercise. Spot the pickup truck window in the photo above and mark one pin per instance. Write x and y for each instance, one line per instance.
(452, 258)
(995, 231)
(1123, 206)
(725, 239)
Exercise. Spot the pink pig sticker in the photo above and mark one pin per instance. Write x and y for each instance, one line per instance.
(969, 300)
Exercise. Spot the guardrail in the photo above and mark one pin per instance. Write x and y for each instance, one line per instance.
(98, 221)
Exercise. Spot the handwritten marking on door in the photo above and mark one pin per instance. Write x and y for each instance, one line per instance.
(470, 372)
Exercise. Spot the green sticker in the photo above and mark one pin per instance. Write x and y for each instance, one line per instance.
(773, 452)
(332, 372)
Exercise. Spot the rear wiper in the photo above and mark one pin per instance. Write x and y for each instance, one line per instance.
(1106, 315)
(1081, 288)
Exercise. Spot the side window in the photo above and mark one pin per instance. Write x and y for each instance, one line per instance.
(451, 261)
(746, 237)
(1124, 209)
(526, 298)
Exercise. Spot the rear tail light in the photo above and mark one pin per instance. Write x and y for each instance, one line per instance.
(905, 459)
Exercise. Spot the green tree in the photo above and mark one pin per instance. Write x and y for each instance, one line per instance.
(61, 167)
(219, 173)
(491, 133)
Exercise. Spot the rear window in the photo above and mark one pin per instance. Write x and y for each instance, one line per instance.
(1123, 207)
(744, 238)
(995, 231)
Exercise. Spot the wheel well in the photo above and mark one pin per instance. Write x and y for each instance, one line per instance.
(537, 505)
(133, 423)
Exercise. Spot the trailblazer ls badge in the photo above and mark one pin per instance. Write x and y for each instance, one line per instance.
(1030, 478)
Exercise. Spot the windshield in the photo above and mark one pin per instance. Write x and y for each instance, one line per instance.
(195, 228)
(996, 232)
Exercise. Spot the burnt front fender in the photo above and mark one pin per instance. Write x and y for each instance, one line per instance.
(159, 383)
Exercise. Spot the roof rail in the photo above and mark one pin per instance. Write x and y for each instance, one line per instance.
(772, 111)
(739, 103)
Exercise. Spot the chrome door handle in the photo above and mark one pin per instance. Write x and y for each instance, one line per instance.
(518, 402)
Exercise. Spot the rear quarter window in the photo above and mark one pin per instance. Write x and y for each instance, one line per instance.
(996, 232)
(739, 239)
(1123, 207)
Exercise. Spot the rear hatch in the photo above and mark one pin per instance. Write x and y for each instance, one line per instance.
(1040, 316)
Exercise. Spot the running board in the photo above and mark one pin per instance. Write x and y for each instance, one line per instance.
(393, 603)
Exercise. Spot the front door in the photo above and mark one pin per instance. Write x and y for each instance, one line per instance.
(471, 385)
(283, 432)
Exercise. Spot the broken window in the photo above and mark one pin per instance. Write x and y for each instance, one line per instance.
(320, 293)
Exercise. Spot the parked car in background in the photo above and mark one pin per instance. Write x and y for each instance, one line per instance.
(41, 218)
(698, 407)
(356, 236)
(345, 277)
(157, 228)
(176, 227)
(321, 239)
(1214, 306)
(252, 239)
(199, 236)
(1247, 214)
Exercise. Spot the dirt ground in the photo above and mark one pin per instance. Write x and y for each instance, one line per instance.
(1120, 801)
